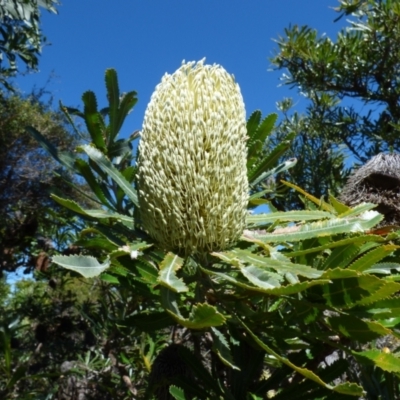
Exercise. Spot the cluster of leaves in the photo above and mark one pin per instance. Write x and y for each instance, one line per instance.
(20, 34)
(303, 306)
(58, 340)
(353, 95)
(31, 223)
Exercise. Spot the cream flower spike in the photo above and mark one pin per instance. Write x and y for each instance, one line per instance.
(192, 177)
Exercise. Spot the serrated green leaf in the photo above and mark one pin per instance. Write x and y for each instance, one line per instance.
(129, 173)
(113, 100)
(254, 151)
(383, 268)
(323, 228)
(252, 123)
(167, 276)
(117, 269)
(270, 159)
(84, 169)
(177, 393)
(277, 170)
(98, 214)
(127, 102)
(64, 158)
(349, 388)
(358, 209)
(340, 256)
(109, 278)
(261, 277)
(96, 243)
(87, 266)
(384, 309)
(372, 257)
(350, 288)
(386, 361)
(338, 243)
(362, 331)
(93, 119)
(282, 290)
(286, 216)
(264, 129)
(222, 349)
(109, 168)
(387, 290)
(147, 271)
(202, 316)
(244, 256)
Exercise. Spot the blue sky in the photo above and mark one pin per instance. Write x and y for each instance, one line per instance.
(143, 39)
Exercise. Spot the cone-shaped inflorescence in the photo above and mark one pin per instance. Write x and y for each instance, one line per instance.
(192, 176)
(378, 182)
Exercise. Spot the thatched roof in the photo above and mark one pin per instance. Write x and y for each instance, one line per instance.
(378, 182)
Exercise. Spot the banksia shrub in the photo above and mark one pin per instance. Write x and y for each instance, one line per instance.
(192, 176)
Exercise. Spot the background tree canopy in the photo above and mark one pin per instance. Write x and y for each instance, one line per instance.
(21, 36)
(352, 85)
(29, 221)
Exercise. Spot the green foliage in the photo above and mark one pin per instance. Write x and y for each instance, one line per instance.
(352, 90)
(31, 223)
(21, 35)
(300, 307)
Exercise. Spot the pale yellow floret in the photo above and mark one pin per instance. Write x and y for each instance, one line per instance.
(192, 160)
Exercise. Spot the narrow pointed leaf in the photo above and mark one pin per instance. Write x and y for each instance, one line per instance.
(127, 102)
(110, 169)
(252, 123)
(277, 170)
(280, 291)
(148, 272)
(64, 158)
(338, 243)
(286, 216)
(282, 267)
(323, 228)
(372, 257)
(84, 169)
(350, 288)
(271, 159)
(98, 214)
(358, 209)
(261, 277)
(113, 100)
(87, 266)
(340, 256)
(383, 268)
(94, 121)
(351, 389)
(222, 349)
(265, 128)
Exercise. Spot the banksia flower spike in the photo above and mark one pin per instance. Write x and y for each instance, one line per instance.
(192, 177)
